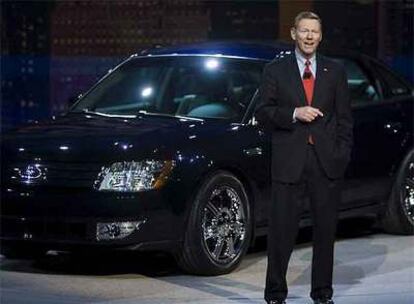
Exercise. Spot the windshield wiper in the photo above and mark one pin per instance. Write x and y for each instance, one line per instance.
(87, 111)
(169, 115)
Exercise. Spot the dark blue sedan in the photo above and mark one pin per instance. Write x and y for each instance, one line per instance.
(164, 153)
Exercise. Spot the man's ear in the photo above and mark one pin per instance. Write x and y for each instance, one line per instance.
(293, 33)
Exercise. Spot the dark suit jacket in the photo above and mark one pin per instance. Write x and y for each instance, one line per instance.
(281, 90)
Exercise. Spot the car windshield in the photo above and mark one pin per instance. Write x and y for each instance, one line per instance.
(190, 86)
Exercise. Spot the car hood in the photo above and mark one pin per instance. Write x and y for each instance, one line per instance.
(89, 138)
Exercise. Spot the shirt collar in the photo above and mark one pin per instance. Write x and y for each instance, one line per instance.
(302, 59)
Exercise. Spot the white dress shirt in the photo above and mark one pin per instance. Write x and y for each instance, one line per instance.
(301, 64)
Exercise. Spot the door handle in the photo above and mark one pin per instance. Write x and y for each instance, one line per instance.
(392, 127)
(253, 151)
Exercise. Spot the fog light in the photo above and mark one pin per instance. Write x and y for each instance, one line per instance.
(117, 230)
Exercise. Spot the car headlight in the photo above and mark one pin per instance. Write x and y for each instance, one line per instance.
(134, 176)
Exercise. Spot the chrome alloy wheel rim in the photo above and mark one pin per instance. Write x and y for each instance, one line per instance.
(407, 191)
(224, 225)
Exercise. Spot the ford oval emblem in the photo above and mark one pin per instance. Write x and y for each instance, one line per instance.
(32, 173)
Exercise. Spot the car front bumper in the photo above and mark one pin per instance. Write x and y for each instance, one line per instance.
(68, 218)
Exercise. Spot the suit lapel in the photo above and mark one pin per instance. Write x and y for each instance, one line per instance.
(296, 80)
(319, 81)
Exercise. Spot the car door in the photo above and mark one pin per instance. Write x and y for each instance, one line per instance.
(400, 97)
(256, 151)
(259, 151)
(379, 133)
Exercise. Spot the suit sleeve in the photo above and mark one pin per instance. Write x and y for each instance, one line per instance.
(344, 115)
(269, 112)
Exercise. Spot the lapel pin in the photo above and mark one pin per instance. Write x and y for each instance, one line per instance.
(325, 69)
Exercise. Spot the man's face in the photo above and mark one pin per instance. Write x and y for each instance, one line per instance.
(307, 35)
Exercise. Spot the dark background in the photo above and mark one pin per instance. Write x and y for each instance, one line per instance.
(51, 51)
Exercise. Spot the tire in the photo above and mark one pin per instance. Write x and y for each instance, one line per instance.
(22, 252)
(399, 215)
(219, 227)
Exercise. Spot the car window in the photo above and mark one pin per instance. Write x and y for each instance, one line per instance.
(215, 88)
(392, 84)
(128, 89)
(132, 87)
(199, 87)
(361, 88)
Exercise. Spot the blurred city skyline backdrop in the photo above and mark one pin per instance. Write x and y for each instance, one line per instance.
(52, 51)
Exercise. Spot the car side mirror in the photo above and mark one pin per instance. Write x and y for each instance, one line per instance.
(253, 121)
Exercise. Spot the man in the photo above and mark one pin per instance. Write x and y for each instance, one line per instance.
(305, 105)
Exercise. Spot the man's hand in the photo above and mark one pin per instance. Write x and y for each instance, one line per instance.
(307, 114)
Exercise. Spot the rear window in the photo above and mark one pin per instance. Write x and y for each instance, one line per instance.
(392, 84)
(361, 88)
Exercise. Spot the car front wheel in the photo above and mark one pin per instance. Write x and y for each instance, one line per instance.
(219, 227)
(399, 216)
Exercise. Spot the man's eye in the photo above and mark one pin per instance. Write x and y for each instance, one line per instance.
(305, 32)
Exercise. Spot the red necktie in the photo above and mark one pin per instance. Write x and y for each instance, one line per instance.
(308, 84)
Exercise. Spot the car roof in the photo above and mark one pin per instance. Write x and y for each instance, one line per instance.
(263, 50)
(248, 49)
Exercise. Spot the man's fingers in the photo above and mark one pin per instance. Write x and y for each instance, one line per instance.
(308, 113)
(312, 114)
(309, 117)
(317, 111)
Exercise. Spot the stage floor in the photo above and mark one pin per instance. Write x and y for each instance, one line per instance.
(370, 267)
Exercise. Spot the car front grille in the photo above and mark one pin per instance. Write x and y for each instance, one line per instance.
(42, 229)
(60, 174)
